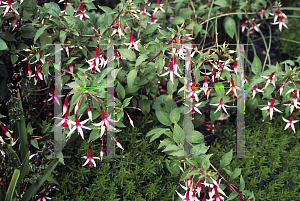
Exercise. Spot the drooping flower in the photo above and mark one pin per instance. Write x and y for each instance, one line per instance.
(153, 21)
(193, 92)
(78, 126)
(53, 96)
(90, 160)
(278, 14)
(105, 123)
(118, 144)
(89, 112)
(220, 105)
(159, 8)
(233, 88)
(171, 72)
(94, 62)
(8, 7)
(290, 123)
(270, 108)
(270, 79)
(65, 122)
(292, 105)
(101, 153)
(132, 43)
(281, 22)
(82, 14)
(43, 198)
(29, 71)
(255, 26)
(194, 108)
(118, 29)
(254, 90)
(144, 11)
(71, 68)
(186, 86)
(211, 128)
(5, 131)
(296, 95)
(190, 194)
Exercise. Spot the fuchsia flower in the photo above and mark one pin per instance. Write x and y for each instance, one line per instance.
(66, 48)
(65, 106)
(296, 95)
(29, 71)
(105, 123)
(190, 194)
(211, 128)
(220, 105)
(270, 108)
(53, 96)
(186, 86)
(159, 8)
(118, 29)
(290, 123)
(144, 11)
(37, 74)
(215, 190)
(82, 15)
(89, 112)
(65, 122)
(232, 87)
(98, 60)
(101, 153)
(43, 198)
(171, 72)
(292, 105)
(270, 79)
(8, 6)
(92, 64)
(278, 14)
(153, 21)
(118, 144)
(281, 22)
(5, 131)
(71, 68)
(78, 126)
(90, 160)
(193, 92)
(254, 90)
(194, 108)
(132, 43)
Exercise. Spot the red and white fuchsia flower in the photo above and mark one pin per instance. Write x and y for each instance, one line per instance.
(159, 8)
(78, 126)
(65, 122)
(82, 15)
(118, 29)
(232, 88)
(53, 96)
(290, 123)
(270, 108)
(43, 198)
(296, 95)
(281, 22)
(220, 105)
(132, 43)
(278, 14)
(105, 123)
(270, 79)
(193, 92)
(171, 72)
(118, 144)
(254, 90)
(90, 160)
(194, 108)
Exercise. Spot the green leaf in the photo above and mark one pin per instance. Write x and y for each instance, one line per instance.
(13, 58)
(197, 28)
(199, 149)
(1, 116)
(221, 3)
(175, 115)
(62, 36)
(205, 163)
(177, 153)
(178, 134)
(106, 9)
(46, 69)
(52, 8)
(177, 20)
(144, 106)
(229, 25)
(242, 183)
(163, 117)
(25, 166)
(157, 130)
(12, 185)
(34, 143)
(150, 29)
(171, 148)
(41, 180)
(232, 196)
(236, 173)
(127, 54)
(7, 36)
(127, 101)
(197, 137)
(40, 31)
(28, 32)
(226, 159)
(219, 87)
(130, 78)
(70, 10)
(3, 45)
(120, 91)
(140, 59)
(29, 6)
(256, 66)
